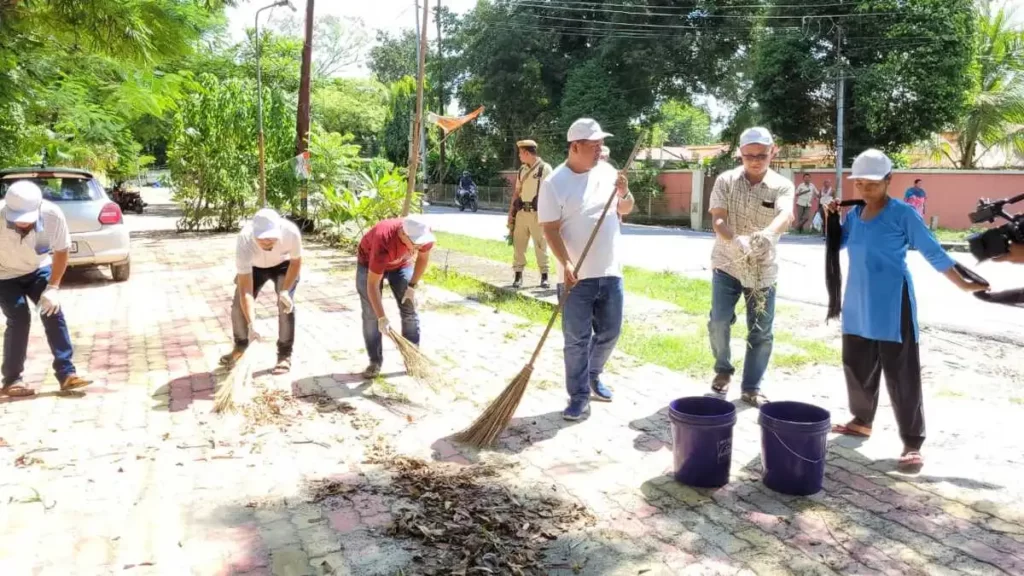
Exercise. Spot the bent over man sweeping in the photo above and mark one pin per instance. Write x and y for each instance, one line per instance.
(571, 203)
(397, 249)
(33, 228)
(751, 206)
(269, 249)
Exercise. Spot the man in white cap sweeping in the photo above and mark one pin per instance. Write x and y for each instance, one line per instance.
(571, 202)
(751, 206)
(269, 249)
(397, 249)
(34, 246)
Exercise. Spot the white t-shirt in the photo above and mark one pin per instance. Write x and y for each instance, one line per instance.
(804, 193)
(24, 255)
(249, 255)
(576, 200)
(826, 197)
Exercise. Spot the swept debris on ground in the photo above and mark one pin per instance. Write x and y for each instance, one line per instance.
(464, 519)
(269, 406)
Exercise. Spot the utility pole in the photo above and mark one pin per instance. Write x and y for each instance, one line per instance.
(302, 123)
(840, 106)
(414, 150)
(441, 100)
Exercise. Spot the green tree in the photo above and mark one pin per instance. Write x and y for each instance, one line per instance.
(352, 106)
(401, 106)
(338, 43)
(679, 123)
(994, 114)
(906, 64)
(394, 56)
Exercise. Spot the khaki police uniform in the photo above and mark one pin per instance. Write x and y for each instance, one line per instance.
(526, 225)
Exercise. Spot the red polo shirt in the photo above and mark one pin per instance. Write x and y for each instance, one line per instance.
(382, 250)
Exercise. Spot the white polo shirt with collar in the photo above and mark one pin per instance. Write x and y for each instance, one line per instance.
(21, 255)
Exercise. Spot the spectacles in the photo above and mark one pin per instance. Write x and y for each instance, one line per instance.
(755, 157)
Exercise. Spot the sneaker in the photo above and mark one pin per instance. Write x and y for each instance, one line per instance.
(517, 283)
(372, 371)
(576, 409)
(600, 392)
(544, 281)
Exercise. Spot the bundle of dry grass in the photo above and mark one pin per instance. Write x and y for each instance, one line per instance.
(417, 364)
(236, 379)
(486, 428)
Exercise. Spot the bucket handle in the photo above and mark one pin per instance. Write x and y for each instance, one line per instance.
(808, 460)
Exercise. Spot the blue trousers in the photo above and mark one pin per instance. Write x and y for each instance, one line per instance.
(14, 296)
(591, 324)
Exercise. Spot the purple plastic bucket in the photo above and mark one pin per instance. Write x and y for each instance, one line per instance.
(702, 440)
(793, 437)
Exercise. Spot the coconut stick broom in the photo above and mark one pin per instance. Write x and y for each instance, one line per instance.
(496, 417)
(417, 364)
(238, 377)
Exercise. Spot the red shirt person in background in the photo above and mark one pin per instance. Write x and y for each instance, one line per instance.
(397, 249)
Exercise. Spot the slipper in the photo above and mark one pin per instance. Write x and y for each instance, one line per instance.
(911, 460)
(851, 429)
(283, 366)
(17, 391)
(755, 399)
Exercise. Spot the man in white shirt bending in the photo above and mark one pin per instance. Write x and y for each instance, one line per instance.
(268, 249)
(34, 242)
(571, 201)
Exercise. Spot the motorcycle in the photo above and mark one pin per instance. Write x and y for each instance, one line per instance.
(466, 198)
(128, 200)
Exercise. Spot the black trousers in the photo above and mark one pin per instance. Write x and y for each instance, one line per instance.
(864, 362)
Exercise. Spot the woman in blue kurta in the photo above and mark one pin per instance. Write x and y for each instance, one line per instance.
(880, 332)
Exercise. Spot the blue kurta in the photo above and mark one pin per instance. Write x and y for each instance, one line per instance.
(878, 268)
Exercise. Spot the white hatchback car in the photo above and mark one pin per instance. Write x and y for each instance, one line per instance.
(99, 236)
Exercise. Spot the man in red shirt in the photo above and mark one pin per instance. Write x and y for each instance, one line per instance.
(397, 249)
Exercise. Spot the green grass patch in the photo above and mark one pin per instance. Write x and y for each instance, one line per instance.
(490, 249)
(947, 235)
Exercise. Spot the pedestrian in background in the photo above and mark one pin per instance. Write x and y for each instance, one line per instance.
(571, 202)
(33, 229)
(522, 215)
(880, 329)
(751, 206)
(397, 249)
(804, 194)
(916, 197)
(268, 249)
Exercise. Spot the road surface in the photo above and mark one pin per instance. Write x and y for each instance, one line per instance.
(801, 271)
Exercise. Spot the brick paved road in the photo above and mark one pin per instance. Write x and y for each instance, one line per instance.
(137, 476)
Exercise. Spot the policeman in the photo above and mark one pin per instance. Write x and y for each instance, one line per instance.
(522, 215)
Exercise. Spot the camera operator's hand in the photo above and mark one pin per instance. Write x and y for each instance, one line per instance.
(1014, 256)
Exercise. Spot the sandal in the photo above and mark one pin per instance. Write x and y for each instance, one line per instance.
(910, 461)
(231, 358)
(284, 364)
(755, 399)
(851, 428)
(17, 390)
(720, 385)
(74, 382)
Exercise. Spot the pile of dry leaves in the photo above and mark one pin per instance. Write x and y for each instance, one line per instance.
(467, 521)
(269, 406)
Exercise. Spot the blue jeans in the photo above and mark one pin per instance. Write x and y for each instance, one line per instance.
(14, 296)
(399, 281)
(591, 324)
(725, 293)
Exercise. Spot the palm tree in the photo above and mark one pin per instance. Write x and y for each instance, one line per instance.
(994, 116)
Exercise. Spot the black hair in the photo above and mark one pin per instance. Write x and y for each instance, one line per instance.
(917, 180)
(833, 270)
(530, 149)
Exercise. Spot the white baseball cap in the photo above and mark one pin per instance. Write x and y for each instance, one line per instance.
(871, 165)
(586, 129)
(266, 225)
(417, 230)
(756, 135)
(23, 200)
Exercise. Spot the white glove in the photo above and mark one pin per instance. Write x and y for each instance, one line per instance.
(383, 325)
(284, 302)
(253, 334)
(410, 295)
(48, 302)
(762, 243)
(742, 243)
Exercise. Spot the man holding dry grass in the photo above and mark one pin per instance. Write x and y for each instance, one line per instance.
(571, 202)
(751, 206)
(397, 249)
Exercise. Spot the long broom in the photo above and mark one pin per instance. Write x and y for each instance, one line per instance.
(496, 417)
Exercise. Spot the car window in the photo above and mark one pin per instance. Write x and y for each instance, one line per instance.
(60, 188)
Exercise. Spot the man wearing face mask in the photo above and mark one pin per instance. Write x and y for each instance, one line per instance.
(751, 206)
(268, 249)
(34, 245)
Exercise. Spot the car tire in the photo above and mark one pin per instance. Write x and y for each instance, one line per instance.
(121, 271)
(473, 205)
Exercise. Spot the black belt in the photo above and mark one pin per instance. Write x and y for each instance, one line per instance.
(530, 206)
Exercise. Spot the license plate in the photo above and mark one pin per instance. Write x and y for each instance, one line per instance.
(74, 248)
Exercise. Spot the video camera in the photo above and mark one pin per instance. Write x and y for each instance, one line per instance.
(995, 242)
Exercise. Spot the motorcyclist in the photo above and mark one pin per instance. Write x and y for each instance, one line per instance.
(466, 185)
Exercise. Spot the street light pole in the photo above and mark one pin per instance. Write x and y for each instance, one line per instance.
(259, 101)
